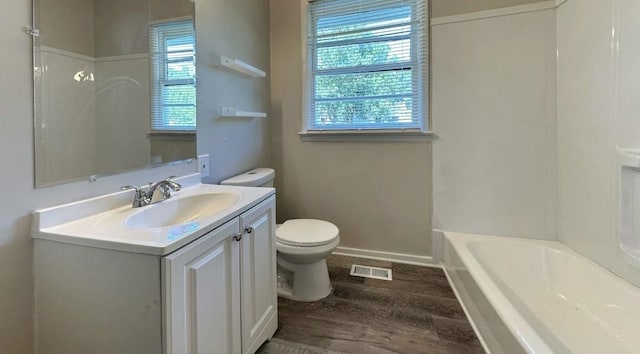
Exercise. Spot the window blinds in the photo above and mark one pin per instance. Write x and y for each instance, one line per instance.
(368, 64)
(173, 91)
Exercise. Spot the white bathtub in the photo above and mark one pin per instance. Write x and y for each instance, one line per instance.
(527, 296)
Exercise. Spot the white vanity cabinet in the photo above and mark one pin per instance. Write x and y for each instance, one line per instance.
(258, 267)
(220, 293)
(215, 295)
(202, 294)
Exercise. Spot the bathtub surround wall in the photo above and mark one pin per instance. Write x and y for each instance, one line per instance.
(20, 198)
(504, 166)
(493, 111)
(75, 119)
(598, 85)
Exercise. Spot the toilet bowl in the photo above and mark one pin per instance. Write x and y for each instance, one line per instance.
(302, 247)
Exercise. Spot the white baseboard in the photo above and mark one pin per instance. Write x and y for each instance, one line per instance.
(388, 256)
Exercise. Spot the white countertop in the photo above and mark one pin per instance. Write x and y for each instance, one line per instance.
(100, 222)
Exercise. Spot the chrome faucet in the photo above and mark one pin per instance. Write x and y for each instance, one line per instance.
(162, 190)
(155, 193)
(139, 198)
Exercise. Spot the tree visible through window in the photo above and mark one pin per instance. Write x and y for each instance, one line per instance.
(173, 91)
(366, 61)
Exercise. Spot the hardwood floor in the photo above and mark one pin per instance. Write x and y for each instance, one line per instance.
(416, 312)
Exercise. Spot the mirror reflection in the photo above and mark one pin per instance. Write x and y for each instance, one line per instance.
(114, 86)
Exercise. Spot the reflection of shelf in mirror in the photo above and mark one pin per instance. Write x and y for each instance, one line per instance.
(242, 67)
(230, 112)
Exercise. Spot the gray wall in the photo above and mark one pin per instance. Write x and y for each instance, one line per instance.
(69, 30)
(237, 29)
(377, 193)
(245, 17)
(121, 27)
(440, 8)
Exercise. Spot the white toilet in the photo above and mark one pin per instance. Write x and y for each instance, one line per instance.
(302, 245)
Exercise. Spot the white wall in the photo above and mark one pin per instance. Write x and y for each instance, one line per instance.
(16, 153)
(598, 88)
(493, 111)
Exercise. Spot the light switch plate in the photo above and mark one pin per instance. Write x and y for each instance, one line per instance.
(203, 165)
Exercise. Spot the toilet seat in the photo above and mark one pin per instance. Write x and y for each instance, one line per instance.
(306, 232)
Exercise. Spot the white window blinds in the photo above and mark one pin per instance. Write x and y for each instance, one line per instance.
(368, 65)
(173, 90)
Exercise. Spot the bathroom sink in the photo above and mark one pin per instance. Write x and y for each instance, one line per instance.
(182, 210)
(110, 222)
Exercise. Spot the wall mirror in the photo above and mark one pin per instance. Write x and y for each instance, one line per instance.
(114, 86)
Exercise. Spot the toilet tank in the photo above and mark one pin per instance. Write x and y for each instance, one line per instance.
(259, 177)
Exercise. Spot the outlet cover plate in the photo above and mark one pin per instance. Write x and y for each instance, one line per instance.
(203, 165)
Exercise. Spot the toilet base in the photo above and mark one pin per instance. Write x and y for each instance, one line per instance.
(287, 293)
(303, 282)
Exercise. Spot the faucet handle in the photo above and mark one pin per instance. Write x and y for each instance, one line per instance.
(136, 188)
(139, 198)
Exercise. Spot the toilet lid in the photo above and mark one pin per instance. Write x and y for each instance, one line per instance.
(306, 232)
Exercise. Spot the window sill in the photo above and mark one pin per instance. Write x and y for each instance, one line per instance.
(366, 135)
(172, 133)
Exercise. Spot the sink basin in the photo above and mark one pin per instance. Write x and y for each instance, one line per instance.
(188, 209)
(109, 221)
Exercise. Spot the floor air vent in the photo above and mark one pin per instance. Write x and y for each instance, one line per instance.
(370, 272)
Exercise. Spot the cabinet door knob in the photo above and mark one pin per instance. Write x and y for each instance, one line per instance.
(237, 237)
(248, 230)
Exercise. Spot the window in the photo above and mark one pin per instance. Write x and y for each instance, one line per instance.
(367, 64)
(173, 89)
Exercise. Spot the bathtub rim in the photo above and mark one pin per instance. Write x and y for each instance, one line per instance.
(467, 306)
(519, 328)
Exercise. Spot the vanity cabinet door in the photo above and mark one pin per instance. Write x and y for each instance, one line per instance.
(258, 275)
(201, 291)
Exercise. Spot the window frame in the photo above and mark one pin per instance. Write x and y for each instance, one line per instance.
(159, 67)
(420, 42)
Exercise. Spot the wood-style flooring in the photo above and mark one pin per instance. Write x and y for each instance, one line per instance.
(416, 312)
